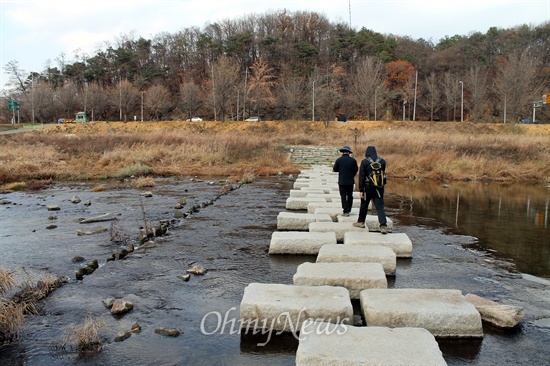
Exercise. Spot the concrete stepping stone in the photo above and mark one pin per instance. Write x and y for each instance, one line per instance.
(354, 276)
(311, 207)
(323, 344)
(334, 212)
(340, 228)
(445, 313)
(334, 253)
(285, 307)
(304, 192)
(299, 242)
(371, 221)
(400, 243)
(289, 221)
(300, 203)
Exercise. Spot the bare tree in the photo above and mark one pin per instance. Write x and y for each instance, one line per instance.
(97, 103)
(517, 84)
(43, 99)
(292, 95)
(67, 100)
(432, 97)
(157, 102)
(126, 97)
(17, 76)
(368, 77)
(476, 84)
(261, 85)
(451, 92)
(225, 74)
(190, 98)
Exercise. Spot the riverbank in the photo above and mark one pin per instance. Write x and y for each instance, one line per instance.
(418, 150)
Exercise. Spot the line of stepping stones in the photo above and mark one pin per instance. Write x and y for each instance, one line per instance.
(352, 263)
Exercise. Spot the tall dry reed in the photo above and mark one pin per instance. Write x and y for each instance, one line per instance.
(453, 151)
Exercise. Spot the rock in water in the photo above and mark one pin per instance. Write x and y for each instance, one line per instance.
(167, 332)
(198, 270)
(121, 306)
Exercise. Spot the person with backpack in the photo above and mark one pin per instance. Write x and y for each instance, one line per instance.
(372, 178)
(346, 166)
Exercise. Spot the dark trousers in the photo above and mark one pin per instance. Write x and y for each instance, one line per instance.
(377, 198)
(346, 195)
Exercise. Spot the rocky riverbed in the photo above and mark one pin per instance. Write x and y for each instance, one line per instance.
(228, 236)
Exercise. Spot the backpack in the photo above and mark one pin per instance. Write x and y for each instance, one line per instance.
(376, 176)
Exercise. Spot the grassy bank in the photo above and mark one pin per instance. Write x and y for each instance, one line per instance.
(452, 151)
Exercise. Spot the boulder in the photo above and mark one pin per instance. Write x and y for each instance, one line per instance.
(168, 332)
(499, 315)
(75, 199)
(122, 335)
(121, 306)
(198, 270)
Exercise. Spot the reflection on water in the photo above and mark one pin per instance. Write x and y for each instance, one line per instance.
(509, 220)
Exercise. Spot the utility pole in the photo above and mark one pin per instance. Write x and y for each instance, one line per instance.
(414, 104)
(244, 95)
(313, 103)
(461, 101)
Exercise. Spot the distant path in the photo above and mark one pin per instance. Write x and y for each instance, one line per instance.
(7, 132)
(314, 155)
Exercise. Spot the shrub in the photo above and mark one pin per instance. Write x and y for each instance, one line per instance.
(135, 170)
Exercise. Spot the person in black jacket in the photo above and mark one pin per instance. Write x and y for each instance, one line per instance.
(370, 192)
(346, 166)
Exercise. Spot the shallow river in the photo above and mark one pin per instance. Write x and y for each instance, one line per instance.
(477, 238)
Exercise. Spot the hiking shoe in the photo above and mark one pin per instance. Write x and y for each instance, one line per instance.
(359, 224)
(383, 229)
(346, 214)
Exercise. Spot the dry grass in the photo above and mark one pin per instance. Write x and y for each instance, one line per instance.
(143, 182)
(84, 338)
(453, 151)
(13, 308)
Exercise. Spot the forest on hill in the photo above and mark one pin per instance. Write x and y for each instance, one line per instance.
(284, 65)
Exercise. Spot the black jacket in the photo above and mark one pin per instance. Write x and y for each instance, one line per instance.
(364, 171)
(346, 166)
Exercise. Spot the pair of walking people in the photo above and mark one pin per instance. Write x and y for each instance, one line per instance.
(347, 169)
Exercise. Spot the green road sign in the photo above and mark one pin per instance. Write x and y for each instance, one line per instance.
(15, 106)
(10, 104)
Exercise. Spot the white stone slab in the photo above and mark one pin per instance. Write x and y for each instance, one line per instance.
(329, 197)
(335, 212)
(398, 242)
(299, 242)
(304, 192)
(285, 307)
(340, 228)
(373, 225)
(335, 253)
(311, 207)
(288, 221)
(323, 344)
(354, 276)
(445, 313)
(300, 203)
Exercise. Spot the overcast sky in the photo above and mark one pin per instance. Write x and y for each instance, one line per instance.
(37, 32)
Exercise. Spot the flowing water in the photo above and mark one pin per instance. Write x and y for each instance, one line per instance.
(487, 239)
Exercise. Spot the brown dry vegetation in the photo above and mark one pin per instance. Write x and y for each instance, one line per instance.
(453, 151)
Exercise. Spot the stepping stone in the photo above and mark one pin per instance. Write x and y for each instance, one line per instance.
(398, 242)
(288, 221)
(300, 203)
(323, 344)
(311, 207)
(373, 225)
(304, 192)
(285, 307)
(352, 275)
(299, 242)
(445, 313)
(334, 253)
(335, 212)
(340, 228)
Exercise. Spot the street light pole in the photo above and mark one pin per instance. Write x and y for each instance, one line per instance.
(32, 97)
(313, 103)
(143, 92)
(375, 92)
(404, 102)
(461, 101)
